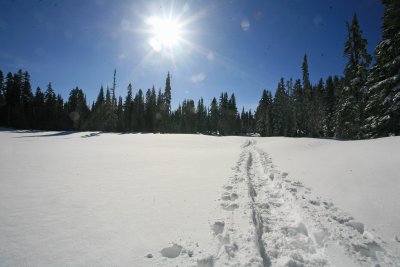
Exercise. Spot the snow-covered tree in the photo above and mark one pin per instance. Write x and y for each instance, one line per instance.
(349, 116)
(383, 87)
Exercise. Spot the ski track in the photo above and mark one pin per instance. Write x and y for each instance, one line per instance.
(267, 219)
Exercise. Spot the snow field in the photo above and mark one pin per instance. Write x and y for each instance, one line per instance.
(101, 199)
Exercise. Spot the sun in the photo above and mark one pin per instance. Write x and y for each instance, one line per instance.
(166, 33)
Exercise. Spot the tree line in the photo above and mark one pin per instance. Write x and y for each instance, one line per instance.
(363, 103)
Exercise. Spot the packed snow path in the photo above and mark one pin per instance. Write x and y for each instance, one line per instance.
(268, 219)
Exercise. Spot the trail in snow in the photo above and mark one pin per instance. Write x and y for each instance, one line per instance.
(267, 219)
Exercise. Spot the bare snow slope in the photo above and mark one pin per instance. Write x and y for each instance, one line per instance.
(79, 199)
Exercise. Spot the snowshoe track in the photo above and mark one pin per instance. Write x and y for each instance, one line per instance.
(268, 219)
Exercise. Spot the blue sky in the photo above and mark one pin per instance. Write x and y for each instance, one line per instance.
(237, 46)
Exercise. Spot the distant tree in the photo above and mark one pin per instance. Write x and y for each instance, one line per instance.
(167, 106)
(263, 114)
(232, 116)
(77, 109)
(383, 90)
(318, 110)
(3, 108)
(39, 111)
(201, 117)
(213, 117)
(297, 102)
(128, 110)
(120, 115)
(188, 116)
(307, 109)
(50, 103)
(330, 108)
(26, 102)
(278, 112)
(138, 112)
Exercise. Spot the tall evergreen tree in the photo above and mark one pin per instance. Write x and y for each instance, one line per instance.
(318, 110)
(26, 101)
(307, 112)
(330, 108)
(39, 109)
(383, 90)
(2, 100)
(201, 116)
(214, 116)
(167, 99)
(128, 110)
(139, 111)
(77, 109)
(297, 101)
(263, 114)
(349, 119)
(279, 109)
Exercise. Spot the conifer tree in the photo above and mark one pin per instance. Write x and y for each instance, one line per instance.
(330, 108)
(39, 109)
(167, 107)
(128, 110)
(120, 115)
(138, 112)
(263, 114)
(279, 109)
(307, 100)
(383, 90)
(214, 117)
(297, 101)
(201, 116)
(50, 108)
(318, 110)
(26, 101)
(2, 100)
(349, 118)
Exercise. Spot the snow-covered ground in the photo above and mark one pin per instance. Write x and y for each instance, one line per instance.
(97, 199)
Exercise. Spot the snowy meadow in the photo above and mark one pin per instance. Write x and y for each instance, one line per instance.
(102, 199)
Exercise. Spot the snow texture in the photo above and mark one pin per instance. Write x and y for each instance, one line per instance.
(95, 199)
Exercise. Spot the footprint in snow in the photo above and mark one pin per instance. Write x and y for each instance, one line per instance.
(171, 252)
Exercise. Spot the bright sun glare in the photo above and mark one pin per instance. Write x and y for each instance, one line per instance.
(166, 33)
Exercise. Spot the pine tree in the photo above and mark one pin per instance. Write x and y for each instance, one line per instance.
(214, 117)
(318, 110)
(201, 116)
(263, 114)
(139, 111)
(330, 108)
(167, 107)
(120, 115)
(188, 116)
(39, 109)
(128, 110)
(351, 104)
(279, 109)
(26, 101)
(77, 109)
(307, 109)
(383, 90)
(223, 127)
(232, 116)
(290, 109)
(3, 109)
(297, 101)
